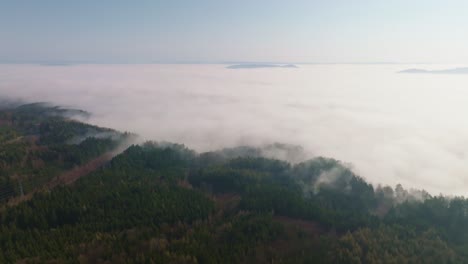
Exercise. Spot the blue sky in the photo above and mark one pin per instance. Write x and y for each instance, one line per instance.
(219, 31)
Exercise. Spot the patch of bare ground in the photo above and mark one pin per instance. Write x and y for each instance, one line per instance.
(226, 201)
(306, 226)
(5, 122)
(185, 184)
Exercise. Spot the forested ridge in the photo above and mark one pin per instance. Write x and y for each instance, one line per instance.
(164, 203)
(38, 143)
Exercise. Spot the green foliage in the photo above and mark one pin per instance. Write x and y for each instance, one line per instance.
(39, 142)
(392, 244)
(164, 203)
(7, 134)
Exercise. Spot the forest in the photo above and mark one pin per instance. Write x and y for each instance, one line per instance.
(165, 203)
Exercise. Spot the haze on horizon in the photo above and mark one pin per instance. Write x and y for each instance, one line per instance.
(53, 31)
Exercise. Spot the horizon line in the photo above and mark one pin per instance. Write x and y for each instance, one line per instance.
(78, 62)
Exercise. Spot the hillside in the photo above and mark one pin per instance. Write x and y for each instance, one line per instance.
(41, 146)
(165, 203)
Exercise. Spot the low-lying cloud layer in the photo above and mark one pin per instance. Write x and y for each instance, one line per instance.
(393, 128)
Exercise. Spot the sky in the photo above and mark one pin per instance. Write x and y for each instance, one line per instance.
(214, 31)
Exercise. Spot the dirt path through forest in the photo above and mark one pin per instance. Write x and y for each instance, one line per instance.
(66, 178)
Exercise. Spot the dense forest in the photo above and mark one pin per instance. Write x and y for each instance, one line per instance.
(164, 203)
(39, 143)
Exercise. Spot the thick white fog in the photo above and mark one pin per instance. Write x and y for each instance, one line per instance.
(393, 128)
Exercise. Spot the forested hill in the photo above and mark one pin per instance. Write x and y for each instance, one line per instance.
(164, 203)
(42, 145)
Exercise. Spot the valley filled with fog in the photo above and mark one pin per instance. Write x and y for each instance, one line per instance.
(390, 127)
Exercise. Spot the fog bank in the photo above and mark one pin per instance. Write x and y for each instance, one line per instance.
(394, 128)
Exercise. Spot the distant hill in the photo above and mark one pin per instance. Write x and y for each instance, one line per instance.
(463, 70)
(256, 66)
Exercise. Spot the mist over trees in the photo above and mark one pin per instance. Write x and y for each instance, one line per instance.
(354, 113)
(160, 202)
